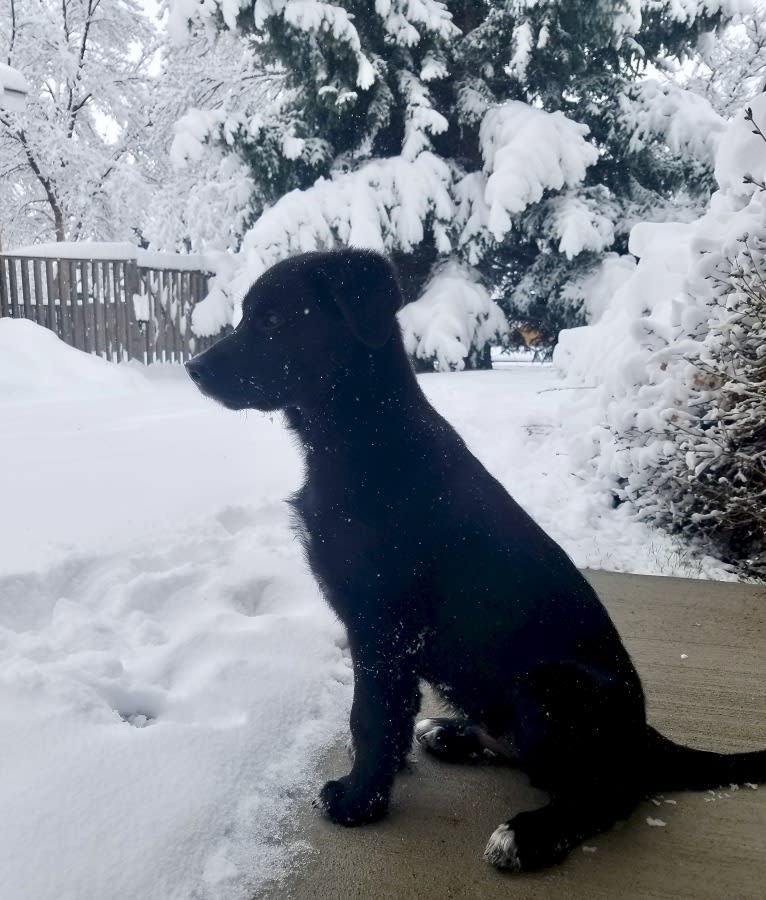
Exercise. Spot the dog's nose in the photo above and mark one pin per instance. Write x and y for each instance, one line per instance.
(195, 367)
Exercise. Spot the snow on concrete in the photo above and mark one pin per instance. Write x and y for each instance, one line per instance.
(169, 672)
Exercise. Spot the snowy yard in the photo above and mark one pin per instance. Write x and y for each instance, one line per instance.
(170, 673)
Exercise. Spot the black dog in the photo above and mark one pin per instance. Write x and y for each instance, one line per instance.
(439, 575)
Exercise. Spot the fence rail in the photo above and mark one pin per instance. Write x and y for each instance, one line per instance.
(112, 307)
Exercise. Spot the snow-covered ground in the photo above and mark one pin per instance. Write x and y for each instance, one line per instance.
(168, 672)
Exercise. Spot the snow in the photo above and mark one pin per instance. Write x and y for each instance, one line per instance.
(684, 120)
(12, 80)
(13, 88)
(643, 358)
(522, 43)
(382, 205)
(148, 570)
(743, 153)
(421, 118)
(579, 225)
(689, 10)
(35, 363)
(401, 18)
(454, 314)
(596, 289)
(310, 16)
(527, 151)
(170, 673)
(122, 250)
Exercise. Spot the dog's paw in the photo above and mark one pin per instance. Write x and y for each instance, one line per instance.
(501, 850)
(450, 739)
(526, 843)
(430, 736)
(344, 805)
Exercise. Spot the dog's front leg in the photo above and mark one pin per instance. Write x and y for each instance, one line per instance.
(386, 700)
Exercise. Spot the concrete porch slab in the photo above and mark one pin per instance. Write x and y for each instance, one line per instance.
(700, 647)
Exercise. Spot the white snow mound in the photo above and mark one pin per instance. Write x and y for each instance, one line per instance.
(34, 362)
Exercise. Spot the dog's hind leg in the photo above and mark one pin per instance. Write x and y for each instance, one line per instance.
(580, 737)
(454, 740)
(460, 740)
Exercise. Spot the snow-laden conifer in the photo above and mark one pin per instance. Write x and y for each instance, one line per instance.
(527, 114)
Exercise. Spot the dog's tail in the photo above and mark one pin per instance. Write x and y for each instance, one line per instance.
(673, 767)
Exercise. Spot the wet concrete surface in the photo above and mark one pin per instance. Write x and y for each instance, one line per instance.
(700, 647)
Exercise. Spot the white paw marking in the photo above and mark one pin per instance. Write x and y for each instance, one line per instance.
(501, 850)
(432, 738)
(423, 727)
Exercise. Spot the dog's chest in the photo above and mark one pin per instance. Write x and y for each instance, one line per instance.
(332, 534)
(353, 551)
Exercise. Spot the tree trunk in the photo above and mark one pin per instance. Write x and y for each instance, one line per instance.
(58, 221)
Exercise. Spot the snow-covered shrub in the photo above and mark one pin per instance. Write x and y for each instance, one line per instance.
(678, 361)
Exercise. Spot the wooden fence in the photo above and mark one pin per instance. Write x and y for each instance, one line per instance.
(115, 308)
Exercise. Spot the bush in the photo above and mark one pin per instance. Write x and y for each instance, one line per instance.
(712, 483)
(677, 364)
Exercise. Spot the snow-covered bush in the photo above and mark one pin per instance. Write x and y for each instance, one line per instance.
(678, 361)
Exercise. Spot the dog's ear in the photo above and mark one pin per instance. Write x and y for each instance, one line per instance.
(363, 288)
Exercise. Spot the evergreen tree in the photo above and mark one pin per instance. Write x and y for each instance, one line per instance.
(508, 137)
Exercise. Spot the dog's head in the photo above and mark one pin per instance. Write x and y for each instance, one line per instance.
(302, 322)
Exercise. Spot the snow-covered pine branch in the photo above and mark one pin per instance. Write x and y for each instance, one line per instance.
(685, 121)
(384, 205)
(453, 317)
(527, 151)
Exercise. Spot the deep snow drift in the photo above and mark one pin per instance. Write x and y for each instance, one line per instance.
(168, 671)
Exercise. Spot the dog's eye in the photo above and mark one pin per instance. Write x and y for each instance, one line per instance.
(271, 320)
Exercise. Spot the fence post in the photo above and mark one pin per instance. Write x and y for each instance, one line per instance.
(50, 284)
(5, 306)
(39, 293)
(121, 310)
(99, 340)
(25, 292)
(136, 339)
(12, 281)
(78, 321)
